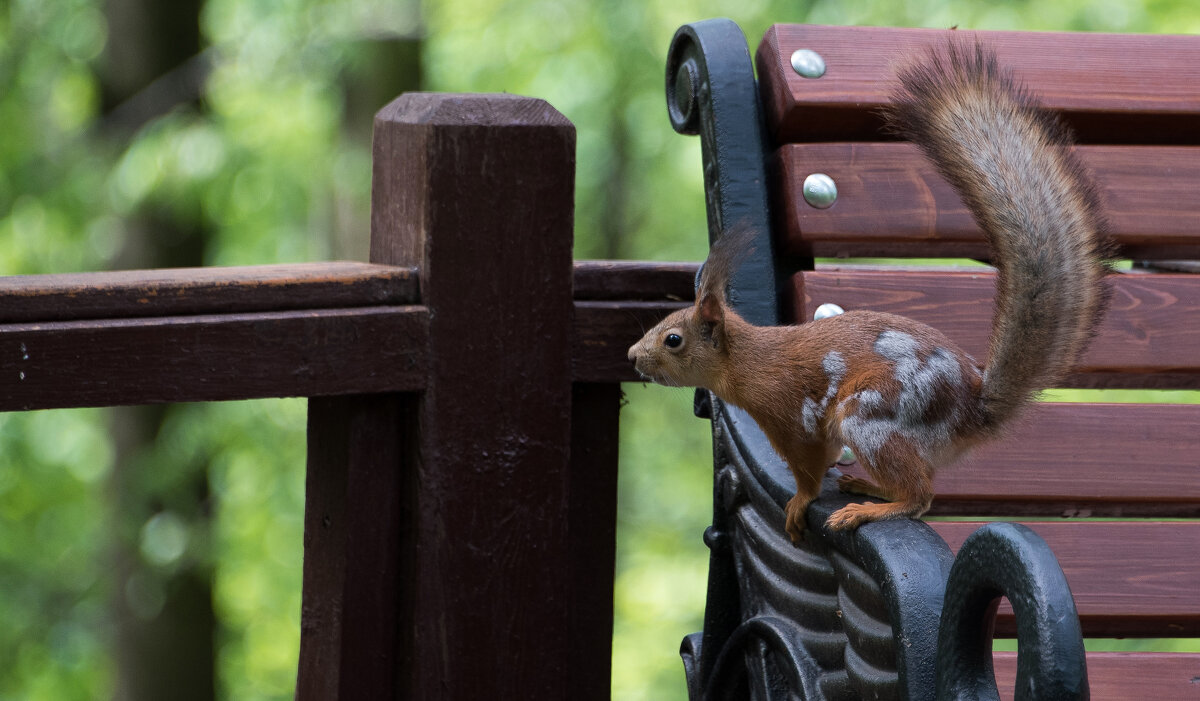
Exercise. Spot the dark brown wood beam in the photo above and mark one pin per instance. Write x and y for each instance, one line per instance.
(209, 357)
(178, 291)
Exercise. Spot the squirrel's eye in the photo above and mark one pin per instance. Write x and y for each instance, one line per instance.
(673, 340)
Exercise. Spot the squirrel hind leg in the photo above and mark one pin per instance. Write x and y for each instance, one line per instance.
(854, 515)
(857, 485)
(903, 478)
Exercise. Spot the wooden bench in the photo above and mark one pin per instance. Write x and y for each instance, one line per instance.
(845, 616)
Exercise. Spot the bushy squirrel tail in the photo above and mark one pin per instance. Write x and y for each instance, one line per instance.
(1011, 163)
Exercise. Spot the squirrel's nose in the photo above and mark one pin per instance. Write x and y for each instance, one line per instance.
(632, 354)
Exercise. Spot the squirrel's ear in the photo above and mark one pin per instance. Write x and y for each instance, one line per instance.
(711, 309)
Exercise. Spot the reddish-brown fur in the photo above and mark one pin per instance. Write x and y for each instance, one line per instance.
(905, 398)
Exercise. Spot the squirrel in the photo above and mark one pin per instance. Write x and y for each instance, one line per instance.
(906, 399)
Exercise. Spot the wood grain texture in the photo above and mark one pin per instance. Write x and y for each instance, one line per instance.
(1129, 579)
(634, 280)
(180, 291)
(477, 191)
(212, 357)
(1115, 88)
(603, 333)
(360, 486)
(1079, 460)
(893, 203)
(1148, 337)
(1123, 675)
(592, 529)
(142, 354)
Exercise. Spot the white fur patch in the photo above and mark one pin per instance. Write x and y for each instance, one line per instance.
(813, 411)
(875, 422)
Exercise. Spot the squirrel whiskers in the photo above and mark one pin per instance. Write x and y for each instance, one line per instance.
(904, 397)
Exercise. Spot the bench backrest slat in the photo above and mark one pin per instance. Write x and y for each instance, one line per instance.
(1068, 459)
(1112, 88)
(1148, 337)
(892, 202)
(1122, 589)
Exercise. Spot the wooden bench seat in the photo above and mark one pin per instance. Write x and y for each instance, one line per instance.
(1113, 489)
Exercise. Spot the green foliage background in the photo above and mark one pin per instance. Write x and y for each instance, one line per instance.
(268, 162)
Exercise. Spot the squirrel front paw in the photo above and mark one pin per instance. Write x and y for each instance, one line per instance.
(794, 515)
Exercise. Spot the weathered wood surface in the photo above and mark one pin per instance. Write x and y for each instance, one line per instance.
(207, 334)
(180, 291)
(1123, 675)
(592, 531)
(360, 487)
(1115, 88)
(604, 331)
(1129, 579)
(616, 302)
(892, 202)
(607, 280)
(211, 357)
(477, 192)
(1148, 337)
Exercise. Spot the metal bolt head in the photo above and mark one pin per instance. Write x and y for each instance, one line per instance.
(808, 63)
(827, 310)
(820, 191)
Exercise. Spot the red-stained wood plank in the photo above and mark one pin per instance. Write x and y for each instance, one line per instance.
(212, 357)
(1066, 459)
(1116, 88)
(892, 202)
(1123, 675)
(217, 290)
(1129, 579)
(1148, 338)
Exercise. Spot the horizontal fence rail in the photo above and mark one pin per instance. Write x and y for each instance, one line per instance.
(317, 329)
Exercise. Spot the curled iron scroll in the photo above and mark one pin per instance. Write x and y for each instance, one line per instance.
(1008, 559)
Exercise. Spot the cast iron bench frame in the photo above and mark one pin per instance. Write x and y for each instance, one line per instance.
(858, 615)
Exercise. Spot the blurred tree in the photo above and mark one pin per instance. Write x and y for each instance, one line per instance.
(143, 135)
(162, 603)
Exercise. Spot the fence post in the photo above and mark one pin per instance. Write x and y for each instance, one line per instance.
(357, 506)
(478, 192)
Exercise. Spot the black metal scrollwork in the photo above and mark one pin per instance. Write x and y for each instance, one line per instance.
(1008, 559)
(711, 92)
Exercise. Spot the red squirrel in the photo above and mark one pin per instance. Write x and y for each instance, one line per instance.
(906, 399)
